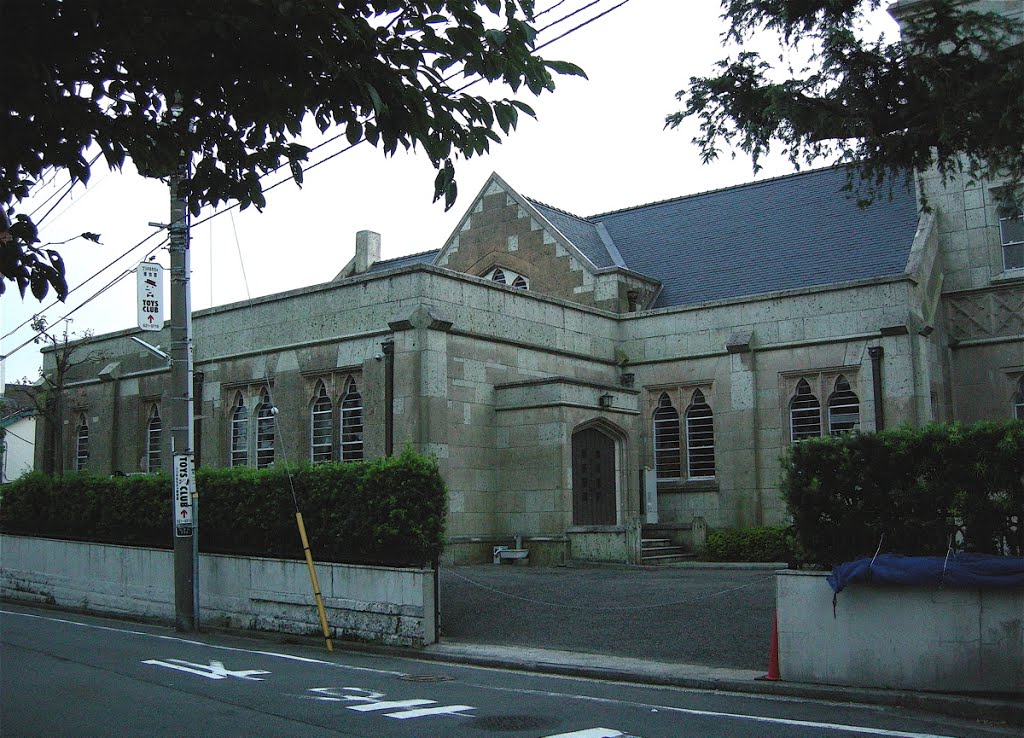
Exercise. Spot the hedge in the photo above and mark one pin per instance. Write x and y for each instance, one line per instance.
(759, 543)
(910, 491)
(388, 511)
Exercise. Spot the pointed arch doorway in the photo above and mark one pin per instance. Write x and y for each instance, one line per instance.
(594, 477)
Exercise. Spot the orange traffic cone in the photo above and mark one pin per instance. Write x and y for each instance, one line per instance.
(773, 654)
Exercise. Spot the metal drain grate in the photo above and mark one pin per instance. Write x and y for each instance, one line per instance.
(426, 678)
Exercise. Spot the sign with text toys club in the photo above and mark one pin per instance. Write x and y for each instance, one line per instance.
(150, 296)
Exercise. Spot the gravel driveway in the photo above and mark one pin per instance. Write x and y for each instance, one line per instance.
(712, 617)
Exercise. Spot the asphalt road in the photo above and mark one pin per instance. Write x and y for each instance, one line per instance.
(712, 617)
(73, 675)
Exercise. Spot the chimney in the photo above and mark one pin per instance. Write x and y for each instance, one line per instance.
(367, 251)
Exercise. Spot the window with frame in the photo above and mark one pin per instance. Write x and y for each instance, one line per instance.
(804, 413)
(239, 432)
(667, 450)
(266, 429)
(321, 426)
(843, 408)
(351, 422)
(154, 437)
(504, 276)
(1011, 235)
(81, 443)
(700, 438)
(1018, 400)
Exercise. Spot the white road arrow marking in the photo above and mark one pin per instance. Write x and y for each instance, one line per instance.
(393, 705)
(215, 670)
(425, 711)
(334, 694)
(590, 733)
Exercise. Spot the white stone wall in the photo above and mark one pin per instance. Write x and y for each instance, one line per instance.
(366, 603)
(900, 637)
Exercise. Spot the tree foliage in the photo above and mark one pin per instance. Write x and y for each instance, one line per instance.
(949, 94)
(230, 83)
(48, 397)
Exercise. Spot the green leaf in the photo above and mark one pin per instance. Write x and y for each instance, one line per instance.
(378, 104)
(564, 67)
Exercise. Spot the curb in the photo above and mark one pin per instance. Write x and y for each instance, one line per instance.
(1009, 710)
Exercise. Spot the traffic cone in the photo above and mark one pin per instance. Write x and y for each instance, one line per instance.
(773, 654)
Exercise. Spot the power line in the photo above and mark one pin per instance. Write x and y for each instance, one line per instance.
(581, 25)
(95, 274)
(308, 168)
(70, 186)
(81, 305)
(362, 139)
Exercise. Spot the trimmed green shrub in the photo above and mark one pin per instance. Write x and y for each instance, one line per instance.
(910, 491)
(387, 511)
(760, 543)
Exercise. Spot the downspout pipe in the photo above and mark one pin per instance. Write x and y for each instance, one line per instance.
(876, 353)
(388, 348)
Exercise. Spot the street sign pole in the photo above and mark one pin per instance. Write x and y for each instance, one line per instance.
(185, 507)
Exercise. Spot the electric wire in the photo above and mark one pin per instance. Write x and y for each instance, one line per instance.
(268, 385)
(81, 305)
(90, 189)
(316, 164)
(581, 25)
(70, 186)
(447, 78)
(95, 274)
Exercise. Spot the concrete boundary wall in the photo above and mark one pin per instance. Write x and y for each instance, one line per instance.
(366, 603)
(900, 637)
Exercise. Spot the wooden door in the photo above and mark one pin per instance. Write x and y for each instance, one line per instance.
(593, 478)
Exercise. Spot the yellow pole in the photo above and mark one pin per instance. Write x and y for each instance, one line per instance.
(313, 580)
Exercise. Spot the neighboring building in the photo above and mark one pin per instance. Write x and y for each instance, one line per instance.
(18, 430)
(548, 359)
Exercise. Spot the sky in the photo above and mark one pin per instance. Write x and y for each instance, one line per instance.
(597, 145)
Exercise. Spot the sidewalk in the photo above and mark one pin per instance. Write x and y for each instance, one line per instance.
(689, 626)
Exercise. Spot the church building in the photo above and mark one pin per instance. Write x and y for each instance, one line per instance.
(602, 387)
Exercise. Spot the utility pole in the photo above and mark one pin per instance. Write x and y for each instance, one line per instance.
(181, 415)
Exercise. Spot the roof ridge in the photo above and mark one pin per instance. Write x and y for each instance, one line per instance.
(757, 183)
(557, 209)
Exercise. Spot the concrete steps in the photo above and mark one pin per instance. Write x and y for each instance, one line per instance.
(655, 551)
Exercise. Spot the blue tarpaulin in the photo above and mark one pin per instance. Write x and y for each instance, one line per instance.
(978, 571)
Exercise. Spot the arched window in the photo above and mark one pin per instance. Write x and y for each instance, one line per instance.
(81, 443)
(667, 462)
(154, 437)
(351, 423)
(804, 413)
(266, 427)
(239, 432)
(505, 276)
(843, 408)
(1018, 400)
(321, 427)
(700, 438)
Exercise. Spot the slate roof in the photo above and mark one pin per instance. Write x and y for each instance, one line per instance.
(580, 231)
(787, 233)
(425, 257)
(791, 232)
